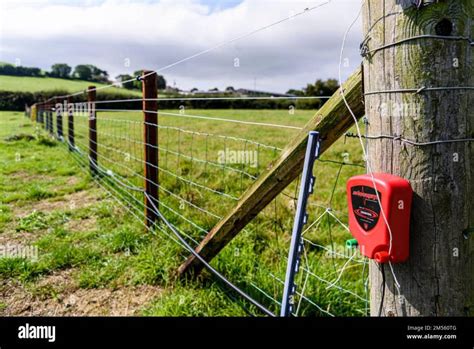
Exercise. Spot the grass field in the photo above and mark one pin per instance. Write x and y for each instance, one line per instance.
(94, 246)
(34, 84)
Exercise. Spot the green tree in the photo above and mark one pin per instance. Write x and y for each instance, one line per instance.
(129, 85)
(294, 92)
(60, 70)
(83, 72)
(160, 81)
(322, 88)
(89, 72)
(98, 75)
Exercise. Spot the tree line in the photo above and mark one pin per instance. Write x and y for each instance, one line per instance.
(85, 72)
(89, 72)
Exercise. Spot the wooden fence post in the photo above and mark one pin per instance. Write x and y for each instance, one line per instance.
(38, 113)
(91, 97)
(150, 139)
(44, 115)
(70, 125)
(59, 121)
(50, 118)
(418, 79)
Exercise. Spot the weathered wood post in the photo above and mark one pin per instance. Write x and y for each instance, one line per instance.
(45, 115)
(150, 138)
(91, 97)
(50, 118)
(38, 113)
(59, 120)
(419, 79)
(70, 124)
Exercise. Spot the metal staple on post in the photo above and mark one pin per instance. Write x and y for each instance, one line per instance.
(150, 93)
(301, 218)
(91, 97)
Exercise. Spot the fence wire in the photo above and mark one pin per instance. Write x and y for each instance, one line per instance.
(205, 165)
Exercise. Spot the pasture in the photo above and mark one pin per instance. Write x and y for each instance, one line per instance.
(101, 243)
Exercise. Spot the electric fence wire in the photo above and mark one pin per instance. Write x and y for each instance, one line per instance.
(203, 52)
(125, 131)
(269, 125)
(364, 150)
(180, 240)
(185, 99)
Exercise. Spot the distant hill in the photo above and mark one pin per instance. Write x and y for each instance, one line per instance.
(36, 84)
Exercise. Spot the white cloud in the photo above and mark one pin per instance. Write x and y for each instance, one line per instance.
(153, 35)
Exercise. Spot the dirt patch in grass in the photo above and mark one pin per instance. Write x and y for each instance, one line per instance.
(24, 176)
(86, 224)
(59, 295)
(23, 239)
(72, 201)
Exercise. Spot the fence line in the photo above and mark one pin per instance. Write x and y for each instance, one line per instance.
(196, 191)
(184, 157)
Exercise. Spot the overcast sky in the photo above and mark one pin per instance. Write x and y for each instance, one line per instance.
(150, 34)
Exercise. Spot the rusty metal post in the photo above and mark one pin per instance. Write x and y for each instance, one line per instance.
(150, 138)
(91, 98)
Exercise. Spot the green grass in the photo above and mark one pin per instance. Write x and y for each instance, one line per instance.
(37, 84)
(115, 251)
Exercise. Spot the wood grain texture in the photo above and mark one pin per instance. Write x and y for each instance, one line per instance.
(438, 279)
(151, 153)
(91, 98)
(332, 120)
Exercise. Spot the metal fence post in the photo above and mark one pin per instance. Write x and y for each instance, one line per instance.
(91, 98)
(150, 109)
(301, 218)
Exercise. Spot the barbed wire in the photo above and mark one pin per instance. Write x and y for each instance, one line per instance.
(411, 142)
(419, 90)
